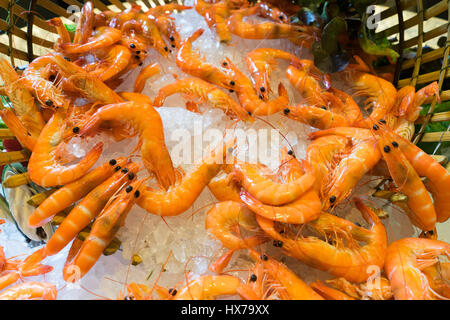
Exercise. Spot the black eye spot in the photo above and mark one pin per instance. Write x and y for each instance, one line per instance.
(166, 49)
(431, 232)
(262, 89)
(172, 38)
(137, 194)
(132, 46)
(67, 58)
(112, 162)
(332, 199)
(129, 189)
(395, 144)
(232, 83)
(290, 152)
(137, 57)
(52, 78)
(253, 278)
(124, 170)
(117, 168)
(357, 224)
(383, 121)
(387, 149)
(49, 103)
(261, 97)
(375, 127)
(281, 17)
(131, 176)
(224, 64)
(138, 52)
(264, 257)
(140, 64)
(231, 90)
(76, 129)
(249, 113)
(286, 110)
(174, 46)
(277, 243)
(172, 291)
(323, 107)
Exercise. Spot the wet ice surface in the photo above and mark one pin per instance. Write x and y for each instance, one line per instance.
(183, 240)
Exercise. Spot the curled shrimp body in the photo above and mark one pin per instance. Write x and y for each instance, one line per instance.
(362, 156)
(30, 291)
(44, 168)
(89, 208)
(208, 288)
(302, 210)
(146, 72)
(224, 188)
(194, 88)
(266, 30)
(72, 192)
(261, 63)
(438, 177)
(83, 258)
(307, 85)
(266, 189)
(438, 277)
(422, 212)
(180, 196)
(147, 122)
(405, 259)
(409, 101)
(17, 128)
(36, 78)
(350, 260)
(249, 99)
(216, 15)
(190, 62)
(224, 221)
(103, 37)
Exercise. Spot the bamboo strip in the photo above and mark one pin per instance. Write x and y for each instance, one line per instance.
(13, 156)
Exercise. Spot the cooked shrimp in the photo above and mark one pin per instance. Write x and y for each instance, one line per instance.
(224, 188)
(180, 196)
(147, 122)
(44, 168)
(146, 72)
(378, 289)
(248, 98)
(89, 208)
(409, 101)
(216, 15)
(103, 37)
(405, 259)
(85, 24)
(30, 291)
(347, 258)
(64, 36)
(17, 128)
(307, 86)
(208, 288)
(267, 190)
(329, 293)
(194, 88)
(191, 62)
(102, 233)
(319, 118)
(224, 221)
(408, 182)
(72, 192)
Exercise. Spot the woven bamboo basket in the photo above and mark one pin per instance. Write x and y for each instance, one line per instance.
(25, 35)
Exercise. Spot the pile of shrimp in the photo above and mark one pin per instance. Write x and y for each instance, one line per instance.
(71, 92)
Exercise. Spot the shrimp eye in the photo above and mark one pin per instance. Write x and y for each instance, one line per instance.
(231, 90)
(224, 64)
(174, 46)
(375, 127)
(395, 144)
(232, 83)
(137, 57)
(117, 168)
(290, 152)
(49, 103)
(76, 129)
(67, 58)
(138, 52)
(431, 232)
(286, 110)
(277, 243)
(112, 162)
(323, 107)
(172, 38)
(129, 189)
(166, 49)
(253, 278)
(261, 96)
(173, 291)
(131, 176)
(357, 224)
(264, 257)
(281, 17)
(262, 89)
(51, 78)
(249, 113)
(137, 194)
(140, 64)
(332, 199)
(386, 149)
(382, 121)
(132, 46)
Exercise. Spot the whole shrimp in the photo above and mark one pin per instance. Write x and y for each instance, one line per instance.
(146, 72)
(104, 229)
(208, 287)
(44, 168)
(346, 257)
(409, 101)
(72, 192)
(248, 98)
(17, 128)
(190, 62)
(408, 182)
(362, 156)
(216, 15)
(31, 290)
(405, 260)
(180, 196)
(103, 37)
(194, 88)
(147, 122)
(85, 24)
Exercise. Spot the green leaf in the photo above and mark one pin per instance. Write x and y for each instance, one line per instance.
(71, 27)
